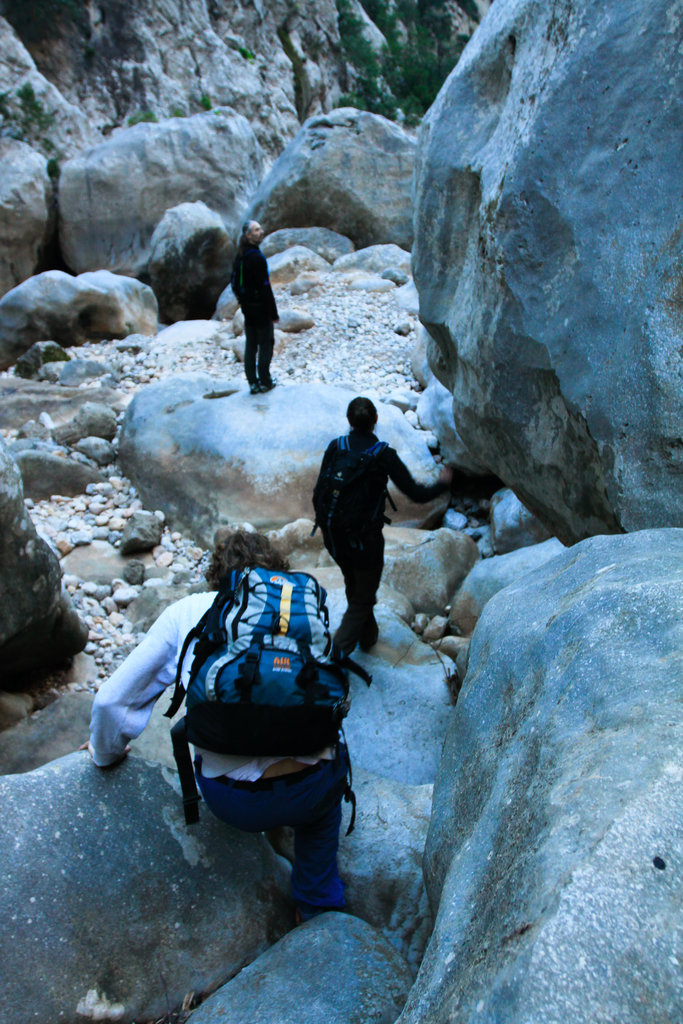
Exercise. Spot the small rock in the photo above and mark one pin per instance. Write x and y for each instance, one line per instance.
(436, 628)
(293, 321)
(453, 520)
(420, 623)
(123, 596)
(402, 328)
(134, 572)
(141, 533)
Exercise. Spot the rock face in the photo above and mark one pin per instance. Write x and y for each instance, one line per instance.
(34, 111)
(73, 310)
(24, 211)
(245, 458)
(435, 412)
(557, 822)
(38, 624)
(112, 197)
(190, 262)
(345, 974)
(223, 895)
(349, 171)
(493, 574)
(549, 285)
(275, 63)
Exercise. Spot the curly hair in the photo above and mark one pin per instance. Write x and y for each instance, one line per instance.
(237, 549)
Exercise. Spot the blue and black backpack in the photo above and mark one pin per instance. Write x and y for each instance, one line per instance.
(266, 678)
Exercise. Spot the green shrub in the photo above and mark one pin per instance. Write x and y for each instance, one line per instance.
(247, 54)
(205, 101)
(419, 54)
(178, 112)
(141, 117)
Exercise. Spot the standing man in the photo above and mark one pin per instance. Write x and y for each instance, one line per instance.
(251, 285)
(349, 508)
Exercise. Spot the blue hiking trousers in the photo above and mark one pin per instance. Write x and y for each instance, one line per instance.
(310, 801)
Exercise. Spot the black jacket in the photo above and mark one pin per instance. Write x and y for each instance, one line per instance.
(258, 302)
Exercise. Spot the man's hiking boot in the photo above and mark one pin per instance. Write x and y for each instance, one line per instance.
(268, 387)
(256, 389)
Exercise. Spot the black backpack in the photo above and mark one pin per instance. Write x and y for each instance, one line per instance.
(349, 498)
(265, 677)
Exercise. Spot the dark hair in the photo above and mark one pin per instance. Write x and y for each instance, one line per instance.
(362, 415)
(237, 549)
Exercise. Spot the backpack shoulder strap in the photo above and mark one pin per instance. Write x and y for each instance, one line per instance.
(209, 628)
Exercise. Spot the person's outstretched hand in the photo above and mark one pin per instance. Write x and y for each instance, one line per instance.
(88, 746)
(446, 475)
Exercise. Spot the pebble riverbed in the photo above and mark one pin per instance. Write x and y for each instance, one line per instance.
(361, 339)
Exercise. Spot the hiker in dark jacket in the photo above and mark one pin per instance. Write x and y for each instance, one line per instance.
(356, 542)
(251, 285)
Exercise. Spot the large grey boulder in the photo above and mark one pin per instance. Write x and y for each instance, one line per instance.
(45, 472)
(381, 861)
(190, 262)
(396, 726)
(112, 196)
(24, 211)
(72, 310)
(427, 565)
(374, 259)
(435, 413)
(51, 732)
(38, 624)
(548, 282)
(348, 170)
(557, 824)
(240, 458)
(490, 575)
(23, 400)
(512, 525)
(285, 266)
(100, 864)
(334, 969)
(328, 244)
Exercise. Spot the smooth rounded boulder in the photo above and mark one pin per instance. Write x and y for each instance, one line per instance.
(557, 824)
(490, 575)
(207, 455)
(24, 211)
(112, 197)
(322, 241)
(348, 170)
(549, 283)
(38, 624)
(334, 969)
(190, 262)
(427, 565)
(91, 855)
(73, 310)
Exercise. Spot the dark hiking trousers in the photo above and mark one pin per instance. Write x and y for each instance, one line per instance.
(310, 801)
(362, 571)
(258, 339)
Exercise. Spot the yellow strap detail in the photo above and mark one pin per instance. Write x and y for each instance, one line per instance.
(285, 608)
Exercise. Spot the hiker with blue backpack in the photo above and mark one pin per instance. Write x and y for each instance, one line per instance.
(349, 501)
(265, 693)
(251, 286)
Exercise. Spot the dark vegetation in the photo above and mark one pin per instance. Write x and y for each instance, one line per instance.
(34, 20)
(421, 50)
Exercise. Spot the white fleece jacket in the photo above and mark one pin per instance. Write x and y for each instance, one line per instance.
(124, 703)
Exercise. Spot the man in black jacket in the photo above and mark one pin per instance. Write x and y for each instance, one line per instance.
(251, 286)
(352, 521)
